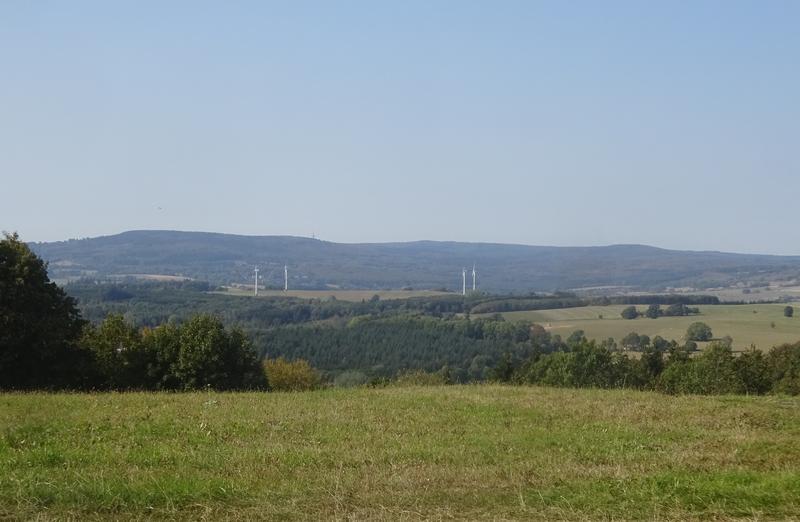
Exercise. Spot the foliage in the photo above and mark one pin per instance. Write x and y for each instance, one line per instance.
(653, 311)
(673, 300)
(196, 355)
(117, 347)
(295, 375)
(652, 363)
(39, 324)
(698, 332)
(630, 313)
(784, 368)
(713, 372)
(635, 342)
(517, 304)
(680, 309)
(387, 346)
(212, 356)
(788, 311)
(586, 365)
(753, 371)
(160, 349)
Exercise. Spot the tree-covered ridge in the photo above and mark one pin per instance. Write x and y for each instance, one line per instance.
(224, 258)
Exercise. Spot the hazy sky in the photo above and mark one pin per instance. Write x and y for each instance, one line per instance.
(675, 123)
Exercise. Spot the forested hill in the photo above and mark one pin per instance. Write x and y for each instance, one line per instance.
(225, 259)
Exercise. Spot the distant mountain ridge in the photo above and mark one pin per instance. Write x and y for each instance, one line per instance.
(227, 258)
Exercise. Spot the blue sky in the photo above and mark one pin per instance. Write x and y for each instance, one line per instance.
(675, 124)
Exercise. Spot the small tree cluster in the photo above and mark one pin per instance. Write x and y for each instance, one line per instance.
(654, 311)
(201, 353)
(630, 312)
(699, 332)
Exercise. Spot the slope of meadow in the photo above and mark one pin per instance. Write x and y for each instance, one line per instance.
(760, 324)
(459, 452)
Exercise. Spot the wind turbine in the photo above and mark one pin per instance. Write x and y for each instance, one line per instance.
(474, 278)
(463, 281)
(285, 278)
(255, 283)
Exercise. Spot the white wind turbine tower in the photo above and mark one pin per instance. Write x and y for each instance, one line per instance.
(474, 278)
(255, 283)
(285, 278)
(463, 281)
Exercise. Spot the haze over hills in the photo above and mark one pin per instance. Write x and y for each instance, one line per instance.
(314, 264)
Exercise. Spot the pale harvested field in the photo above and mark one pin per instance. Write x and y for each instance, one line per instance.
(738, 321)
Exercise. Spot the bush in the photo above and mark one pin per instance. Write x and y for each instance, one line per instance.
(714, 372)
(678, 377)
(116, 347)
(677, 309)
(160, 349)
(635, 342)
(551, 370)
(587, 365)
(630, 313)
(652, 362)
(627, 372)
(753, 371)
(660, 344)
(653, 311)
(297, 375)
(784, 368)
(788, 311)
(698, 332)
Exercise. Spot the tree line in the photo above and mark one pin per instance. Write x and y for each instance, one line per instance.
(654, 311)
(715, 370)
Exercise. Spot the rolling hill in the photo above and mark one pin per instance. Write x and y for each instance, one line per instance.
(314, 264)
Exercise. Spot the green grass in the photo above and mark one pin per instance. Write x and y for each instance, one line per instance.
(459, 452)
(738, 321)
(343, 295)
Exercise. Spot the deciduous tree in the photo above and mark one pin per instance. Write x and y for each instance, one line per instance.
(39, 324)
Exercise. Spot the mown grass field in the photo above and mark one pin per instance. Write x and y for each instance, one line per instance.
(433, 453)
(738, 321)
(344, 295)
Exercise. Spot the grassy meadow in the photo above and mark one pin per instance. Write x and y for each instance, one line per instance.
(746, 324)
(433, 453)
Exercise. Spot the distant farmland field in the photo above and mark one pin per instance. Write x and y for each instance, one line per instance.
(344, 295)
(418, 453)
(747, 324)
